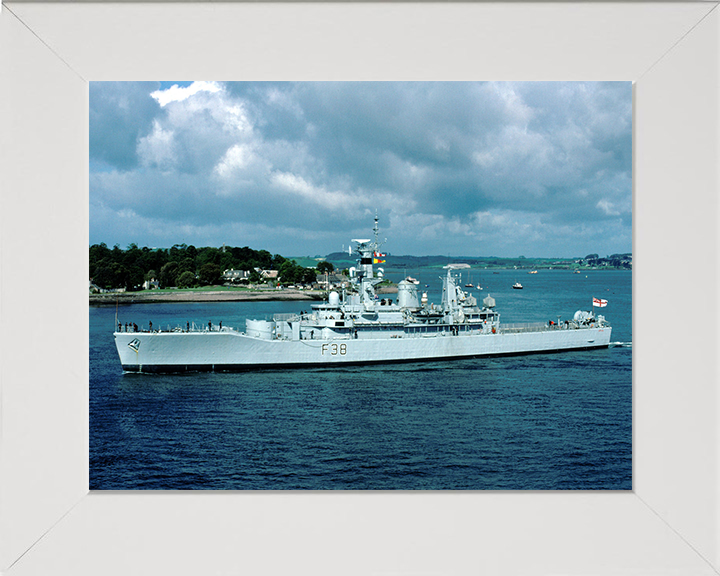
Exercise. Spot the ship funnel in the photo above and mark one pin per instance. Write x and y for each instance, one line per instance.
(489, 301)
(407, 295)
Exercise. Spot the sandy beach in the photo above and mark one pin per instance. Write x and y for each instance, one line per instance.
(203, 296)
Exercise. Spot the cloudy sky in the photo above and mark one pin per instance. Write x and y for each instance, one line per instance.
(540, 169)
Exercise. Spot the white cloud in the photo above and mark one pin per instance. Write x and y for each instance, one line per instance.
(608, 207)
(485, 158)
(316, 194)
(235, 117)
(515, 108)
(237, 157)
(177, 94)
(157, 149)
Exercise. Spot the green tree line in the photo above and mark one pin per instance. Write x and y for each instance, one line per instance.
(185, 266)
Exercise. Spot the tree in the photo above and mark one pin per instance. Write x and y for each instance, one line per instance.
(290, 272)
(265, 259)
(186, 280)
(103, 274)
(210, 274)
(134, 278)
(98, 253)
(169, 274)
(116, 268)
(309, 276)
(226, 261)
(187, 265)
(325, 266)
(278, 261)
(177, 252)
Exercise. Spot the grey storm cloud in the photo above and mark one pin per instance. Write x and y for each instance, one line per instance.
(471, 168)
(120, 114)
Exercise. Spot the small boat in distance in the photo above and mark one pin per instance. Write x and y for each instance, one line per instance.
(517, 286)
(532, 272)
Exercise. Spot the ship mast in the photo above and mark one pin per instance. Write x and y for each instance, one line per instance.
(367, 249)
(375, 231)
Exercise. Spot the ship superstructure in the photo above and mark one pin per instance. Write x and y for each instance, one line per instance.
(358, 326)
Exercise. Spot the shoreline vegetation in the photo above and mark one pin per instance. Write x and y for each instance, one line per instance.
(203, 295)
(215, 294)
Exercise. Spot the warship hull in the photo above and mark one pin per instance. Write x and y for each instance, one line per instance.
(230, 350)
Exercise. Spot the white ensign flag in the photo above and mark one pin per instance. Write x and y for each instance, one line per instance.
(599, 303)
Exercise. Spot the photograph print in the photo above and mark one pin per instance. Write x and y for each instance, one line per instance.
(360, 285)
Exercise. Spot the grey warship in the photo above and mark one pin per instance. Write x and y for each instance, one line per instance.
(355, 326)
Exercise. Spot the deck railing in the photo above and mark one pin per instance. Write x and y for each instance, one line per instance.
(515, 328)
(286, 317)
(539, 327)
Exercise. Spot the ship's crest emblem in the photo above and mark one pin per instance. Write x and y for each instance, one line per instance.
(134, 344)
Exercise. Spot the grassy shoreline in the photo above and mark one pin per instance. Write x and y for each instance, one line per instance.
(217, 294)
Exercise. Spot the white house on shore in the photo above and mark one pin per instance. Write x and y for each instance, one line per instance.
(95, 289)
(232, 275)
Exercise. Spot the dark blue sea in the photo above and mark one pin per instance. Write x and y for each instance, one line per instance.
(540, 422)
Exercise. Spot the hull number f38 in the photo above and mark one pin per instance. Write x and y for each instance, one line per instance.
(333, 349)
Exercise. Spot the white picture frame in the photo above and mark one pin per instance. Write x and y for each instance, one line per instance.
(50, 523)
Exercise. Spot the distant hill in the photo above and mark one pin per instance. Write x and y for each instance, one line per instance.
(306, 261)
(341, 259)
(344, 260)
